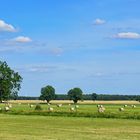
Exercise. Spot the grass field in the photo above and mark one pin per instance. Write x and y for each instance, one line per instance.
(86, 109)
(15, 127)
(24, 123)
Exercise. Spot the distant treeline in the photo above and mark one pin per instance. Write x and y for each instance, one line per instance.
(106, 97)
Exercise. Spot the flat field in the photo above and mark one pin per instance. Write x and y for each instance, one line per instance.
(21, 127)
(23, 122)
(79, 102)
(84, 109)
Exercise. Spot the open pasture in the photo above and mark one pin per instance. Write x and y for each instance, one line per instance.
(84, 123)
(82, 109)
(21, 127)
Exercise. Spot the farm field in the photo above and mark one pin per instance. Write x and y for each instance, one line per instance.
(84, 109)
(21, 127)
(79, 102)
(23, 122)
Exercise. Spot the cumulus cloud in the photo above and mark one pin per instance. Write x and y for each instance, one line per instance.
(22, 39)
(98, 21)
(127, 35)
(6, 27)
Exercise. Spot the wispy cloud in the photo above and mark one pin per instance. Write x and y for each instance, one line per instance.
(22, 39)
(98, 21)
(6, 27)
(16, 45)
(27, 45)
(127, 35)
(55, 51)
(47, 67)
(10, 49)
(40, 68)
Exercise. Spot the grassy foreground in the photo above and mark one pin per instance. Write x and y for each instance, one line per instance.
(22, 127)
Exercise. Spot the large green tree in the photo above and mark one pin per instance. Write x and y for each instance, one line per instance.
(10, 82)
(75, 94)
(47, 93)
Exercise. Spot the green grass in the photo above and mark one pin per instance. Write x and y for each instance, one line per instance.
(85, 124)
(21, 127)
(84, 110)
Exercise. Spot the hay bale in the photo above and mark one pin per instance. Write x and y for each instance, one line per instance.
(59, 105)
(77, 106)
(101, 109)
(133, 106)
(125, 105)
(31, 106)
(72, 109)
(50, 109)
(6, 108)
(121, 109)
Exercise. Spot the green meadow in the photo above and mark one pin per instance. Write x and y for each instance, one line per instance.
(22, 127)
(23, 122)
(83, 110)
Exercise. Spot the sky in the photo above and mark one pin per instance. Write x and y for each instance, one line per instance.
(91, 44)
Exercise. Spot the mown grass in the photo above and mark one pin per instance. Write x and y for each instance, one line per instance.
(25, 123)
(34, 127)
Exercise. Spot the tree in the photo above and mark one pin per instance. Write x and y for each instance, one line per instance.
(47, 93)
(75, 94)
(10, 82)
(138, 98)
(94, 96)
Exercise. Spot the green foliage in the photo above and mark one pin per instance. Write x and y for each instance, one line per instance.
(94, 96)
(75, 94)
(105, 97)
(47, 93)
(10, 82)
(38, 107)
(138, 98)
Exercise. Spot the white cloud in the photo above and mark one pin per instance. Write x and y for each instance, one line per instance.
(127, 35)
(6, 27)
(99, 21)
(22, 39)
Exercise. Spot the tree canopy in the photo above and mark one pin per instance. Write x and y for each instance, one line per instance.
(10, 82)
(75, 94)
(94, 96)
(47, 93)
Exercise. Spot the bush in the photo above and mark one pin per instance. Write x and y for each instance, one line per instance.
(38, 107)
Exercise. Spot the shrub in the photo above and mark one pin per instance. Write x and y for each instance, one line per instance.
(38, 107)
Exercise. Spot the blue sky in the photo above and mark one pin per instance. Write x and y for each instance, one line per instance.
(91, 44)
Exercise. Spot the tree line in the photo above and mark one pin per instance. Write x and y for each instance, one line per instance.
(76, 94)
(106, 97)
(10, 84)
